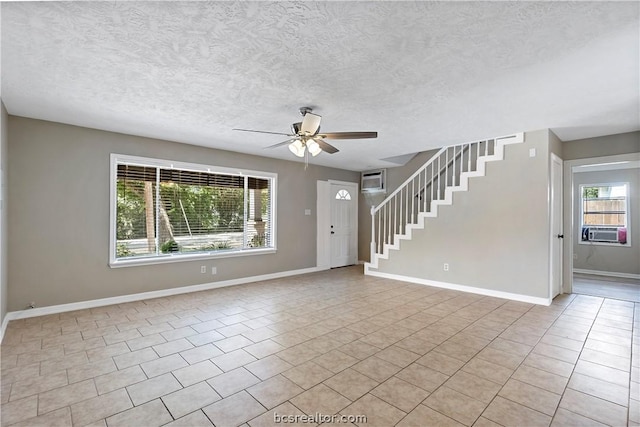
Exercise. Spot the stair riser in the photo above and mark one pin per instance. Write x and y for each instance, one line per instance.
(446, 199)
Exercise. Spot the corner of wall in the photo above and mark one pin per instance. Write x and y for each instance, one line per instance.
(4, 148)
(35, 146)
(461, 240)
(555, 144)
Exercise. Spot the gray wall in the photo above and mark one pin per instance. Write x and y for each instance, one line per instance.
(494, 236)
(4, 145)
(556, 146)
(617, 259)
(622, 143)
(59, 215)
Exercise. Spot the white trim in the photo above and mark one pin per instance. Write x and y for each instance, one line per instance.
(54, 309)
(627, 213)
(607, 166)
(195, 167)
(462, 288)
(323, 220)
(168, 258)
(113, 206)
(607, 273)
(558, 198)
(609, 244)
(5, 322)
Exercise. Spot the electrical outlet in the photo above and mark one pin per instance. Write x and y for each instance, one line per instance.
(575, 256)
(446, 266)
(214, 270)
(32, 304)
(203, 269)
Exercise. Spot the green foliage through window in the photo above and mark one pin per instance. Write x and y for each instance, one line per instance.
(170, 211)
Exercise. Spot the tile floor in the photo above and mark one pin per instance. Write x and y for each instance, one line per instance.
(335, 342)
(607, 287)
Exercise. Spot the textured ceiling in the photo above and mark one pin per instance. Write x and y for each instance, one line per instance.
(423, 74)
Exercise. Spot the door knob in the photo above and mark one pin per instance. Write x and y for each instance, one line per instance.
(333, 232)
(560, 236)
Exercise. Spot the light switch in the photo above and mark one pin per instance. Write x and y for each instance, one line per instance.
(307, 211)
(532, 152)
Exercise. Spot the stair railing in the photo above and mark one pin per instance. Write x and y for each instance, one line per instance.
(428, 184)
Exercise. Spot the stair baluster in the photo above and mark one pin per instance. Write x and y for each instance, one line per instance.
(431, 185)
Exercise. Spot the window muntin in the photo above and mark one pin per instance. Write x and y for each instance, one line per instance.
(604, 205)
(162, 210)
(343, 195)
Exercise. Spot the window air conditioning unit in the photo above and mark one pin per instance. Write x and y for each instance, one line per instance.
(374, 181)
(607, 234)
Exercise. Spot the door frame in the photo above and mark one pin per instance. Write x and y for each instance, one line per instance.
(560, 221)
(570, 206)
(323, 223)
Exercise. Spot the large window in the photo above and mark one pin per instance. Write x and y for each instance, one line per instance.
(169, 211)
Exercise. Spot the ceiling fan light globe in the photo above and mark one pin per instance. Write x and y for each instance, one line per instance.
(297, 148)
(313, 147)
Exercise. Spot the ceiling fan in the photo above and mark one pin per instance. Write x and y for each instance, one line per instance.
(307, 139)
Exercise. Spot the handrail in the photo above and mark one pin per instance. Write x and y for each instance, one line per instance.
(374, 209)
(391, 217)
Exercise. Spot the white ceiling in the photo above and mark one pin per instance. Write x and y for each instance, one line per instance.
(423, 74)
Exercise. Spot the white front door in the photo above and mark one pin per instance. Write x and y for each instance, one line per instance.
(557, 235)
(343, 223)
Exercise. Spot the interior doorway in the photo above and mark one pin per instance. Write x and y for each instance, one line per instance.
(589, 278)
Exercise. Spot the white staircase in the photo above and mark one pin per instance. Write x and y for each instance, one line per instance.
(432, 185)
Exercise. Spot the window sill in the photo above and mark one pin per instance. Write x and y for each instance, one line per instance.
(613, 244)
(165, 259)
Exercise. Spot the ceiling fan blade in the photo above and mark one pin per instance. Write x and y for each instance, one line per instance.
(310, 124)
(288, 141)
(349, 135)
(327, 148)
(264, 131)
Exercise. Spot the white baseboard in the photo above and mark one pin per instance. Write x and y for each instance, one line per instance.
(463, 288)
(55, 309)
(607, 273)
(3, 328)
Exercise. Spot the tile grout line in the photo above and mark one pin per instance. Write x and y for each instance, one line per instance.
(465, 363)
(523, 359)
(604, 299)
(371, 314)
(577, 359)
